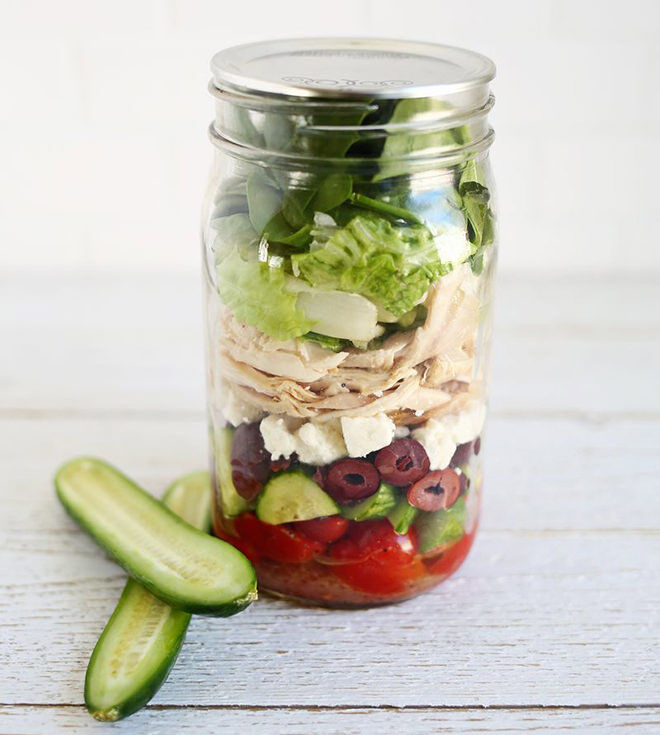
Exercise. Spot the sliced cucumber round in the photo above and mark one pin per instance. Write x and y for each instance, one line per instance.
(293, 496)
(142, 639)
(182, 566)
(231, 502)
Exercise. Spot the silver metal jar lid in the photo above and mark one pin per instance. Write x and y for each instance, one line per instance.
(350, 68)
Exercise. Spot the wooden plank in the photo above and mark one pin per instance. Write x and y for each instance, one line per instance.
(74, 721)
(135, 343)
(538, 619)
(554, 616)
(560, 474)
(119, 343)
(558, 604)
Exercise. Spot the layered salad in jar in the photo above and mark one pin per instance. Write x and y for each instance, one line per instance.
(348, 313)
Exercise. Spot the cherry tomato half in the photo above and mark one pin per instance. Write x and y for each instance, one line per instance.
(380, 574)
(366, 538)
(326, 530)
(279, 543)
(239, 543)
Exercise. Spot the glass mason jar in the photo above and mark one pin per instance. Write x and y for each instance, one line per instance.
(349, 251)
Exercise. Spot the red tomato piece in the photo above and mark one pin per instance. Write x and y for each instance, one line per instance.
(279, 543)
(241, 544)
(366, 538)
(326, 530)
(380, 574)
(451, 559)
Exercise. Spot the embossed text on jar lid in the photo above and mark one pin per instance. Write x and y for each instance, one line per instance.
(347, 67)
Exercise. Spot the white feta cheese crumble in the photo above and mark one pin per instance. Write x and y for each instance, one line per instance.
(440, 437)
(367, 434)
(437, 442)
(320, 443)
(453, 245)
(314, 442)
(466, 425)
(235, 410)
(401, 431)
(278, 440)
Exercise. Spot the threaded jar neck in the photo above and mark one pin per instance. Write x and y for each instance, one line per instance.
(351, 102)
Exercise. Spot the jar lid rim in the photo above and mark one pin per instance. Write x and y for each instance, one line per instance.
(350, 68)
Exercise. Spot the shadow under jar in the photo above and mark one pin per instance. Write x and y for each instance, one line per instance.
(349, 250)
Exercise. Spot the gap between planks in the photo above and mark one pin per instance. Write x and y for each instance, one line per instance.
(343, 707)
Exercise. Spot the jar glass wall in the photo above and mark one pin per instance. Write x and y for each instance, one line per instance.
(349, 250)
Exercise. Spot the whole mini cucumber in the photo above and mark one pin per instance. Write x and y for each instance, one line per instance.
(142, 639)
(179, 564)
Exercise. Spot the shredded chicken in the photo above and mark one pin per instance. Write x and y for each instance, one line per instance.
(414, 375)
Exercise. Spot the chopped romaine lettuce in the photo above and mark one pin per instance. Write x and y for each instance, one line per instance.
(231, 232)
(400, 145)
(330, 343)
(391, 265)
(478, 214)
(440, 528)
(283, 307)
(340, 314)
(258, 296)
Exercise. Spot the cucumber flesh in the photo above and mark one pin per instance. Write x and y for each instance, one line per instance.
(231, 502)
(293, 496)
(402, 516)
(377, 505)
(142, 639)
(182, 566)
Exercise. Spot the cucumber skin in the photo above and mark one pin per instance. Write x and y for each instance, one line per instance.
(221, 611)
(179, 627)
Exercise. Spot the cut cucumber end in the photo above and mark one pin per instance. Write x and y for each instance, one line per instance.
(111, 715)
(293, 496)
(182, 566)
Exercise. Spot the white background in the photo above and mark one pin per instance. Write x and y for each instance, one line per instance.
(103, 115)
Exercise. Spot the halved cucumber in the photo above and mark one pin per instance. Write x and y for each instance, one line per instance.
(179, 564)
(293, 496)
(142, 639)
(231, 502)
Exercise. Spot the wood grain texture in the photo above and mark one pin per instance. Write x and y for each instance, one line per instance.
(557, 606)
(349, 721)
(541, 474)
(136, 343)
(544, 619)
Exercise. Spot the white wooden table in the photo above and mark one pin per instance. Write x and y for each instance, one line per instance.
(551, 625)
